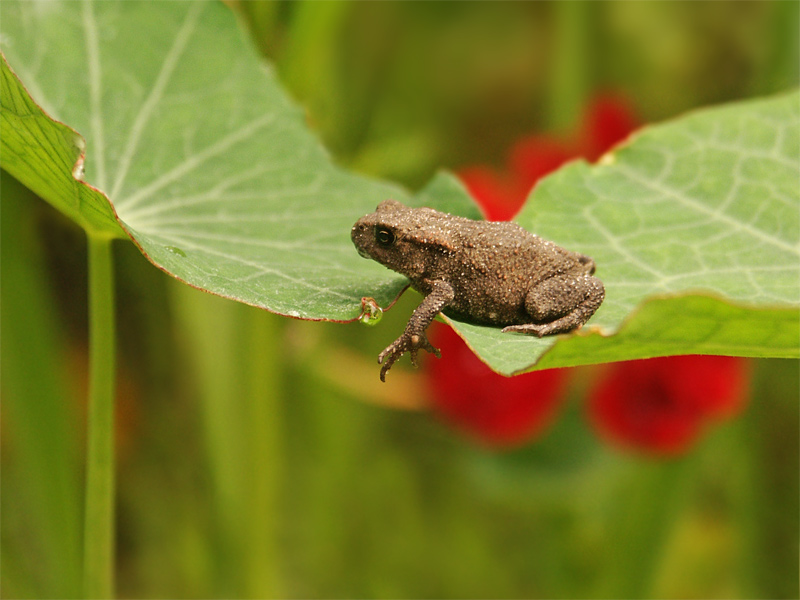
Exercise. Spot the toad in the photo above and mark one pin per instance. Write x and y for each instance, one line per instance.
(481, 272)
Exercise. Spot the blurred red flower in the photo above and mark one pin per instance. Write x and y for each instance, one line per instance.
(509, 411)
(662, 405)
(659, 405)
(498, 411)
(501, 193)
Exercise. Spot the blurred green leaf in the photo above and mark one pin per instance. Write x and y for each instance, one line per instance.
(41, 496)
(217, 179)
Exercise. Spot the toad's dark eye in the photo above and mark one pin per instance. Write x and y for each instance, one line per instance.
(384, 237)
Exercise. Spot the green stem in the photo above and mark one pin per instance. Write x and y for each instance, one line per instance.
(570, 81)
(264, 419)
(98, 541)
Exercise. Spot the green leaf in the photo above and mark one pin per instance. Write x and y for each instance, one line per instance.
(210, 168)
(47, 157)
(695, 230)
(214, 175)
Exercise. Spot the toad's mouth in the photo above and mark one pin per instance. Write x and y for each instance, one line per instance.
(363, 252)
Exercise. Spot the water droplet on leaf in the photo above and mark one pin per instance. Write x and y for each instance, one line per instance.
(371, 312)
(176, 250)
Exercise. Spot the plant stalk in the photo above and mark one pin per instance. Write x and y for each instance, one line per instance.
(264, 456)
(98, 540)
(570, 80)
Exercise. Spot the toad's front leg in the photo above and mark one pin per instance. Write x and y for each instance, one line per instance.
(413, 337)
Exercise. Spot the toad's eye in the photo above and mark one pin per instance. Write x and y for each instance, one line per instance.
(384, 237)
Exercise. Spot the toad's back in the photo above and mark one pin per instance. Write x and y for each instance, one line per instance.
(491, 266)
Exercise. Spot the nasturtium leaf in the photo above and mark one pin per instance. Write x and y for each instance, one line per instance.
(212, 172)
(47, 157)
(695, 221)
(207, 163)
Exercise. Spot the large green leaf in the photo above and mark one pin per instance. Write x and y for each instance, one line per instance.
(695, 227)
(209, 166)
(214, 175)
(47, 157)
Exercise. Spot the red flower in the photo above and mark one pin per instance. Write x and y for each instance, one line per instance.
(507, 411)
(608, 121)
(536, 157)
(662, 405)
(500, 195)
(659, 405)
(499, 411)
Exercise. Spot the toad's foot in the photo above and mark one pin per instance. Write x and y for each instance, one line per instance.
(413, 337)
(537, 330)
(408, 342)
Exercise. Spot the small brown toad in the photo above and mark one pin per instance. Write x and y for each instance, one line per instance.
(486, 273)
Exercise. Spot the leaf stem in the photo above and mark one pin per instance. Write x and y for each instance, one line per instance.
(266, 392)
(98, 541)
(570, 80)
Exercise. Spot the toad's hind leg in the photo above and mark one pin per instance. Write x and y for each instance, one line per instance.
(561, 304)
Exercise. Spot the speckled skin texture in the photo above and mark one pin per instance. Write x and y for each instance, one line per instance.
(487, 273)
